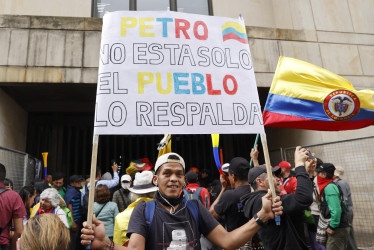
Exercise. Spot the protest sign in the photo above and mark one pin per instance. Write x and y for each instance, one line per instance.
(175, 73)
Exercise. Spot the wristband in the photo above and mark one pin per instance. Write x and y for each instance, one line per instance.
(259, 221)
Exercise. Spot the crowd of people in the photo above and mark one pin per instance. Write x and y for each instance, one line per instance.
(171, 207)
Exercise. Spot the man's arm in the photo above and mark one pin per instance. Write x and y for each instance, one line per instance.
(254, 156)
(237, 238)
(18, 228)
(74, 226)
(303, 196)
(223, 189)
(333, 202)
(110, 183)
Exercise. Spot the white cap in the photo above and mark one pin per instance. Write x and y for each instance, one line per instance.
(125, 177)
(225, 167)
(169, 157)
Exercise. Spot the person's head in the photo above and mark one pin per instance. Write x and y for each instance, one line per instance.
(143, 186)
(2, 173)
(76, 181)
(27, 194)
(169, 175)
(58, 181)
(102, 194)
(8, 183)
(49, 199)
(258, 178)
(191, 177)
(49, 178)
(285, 168)
(238, 172)
(107, 176)
(40, 186)
(126, 181)
(204, 173)
(339, 172)
(45, 231)
(326, 170)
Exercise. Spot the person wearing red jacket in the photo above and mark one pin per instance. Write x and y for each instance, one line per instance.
(192, 187)
(289, 181)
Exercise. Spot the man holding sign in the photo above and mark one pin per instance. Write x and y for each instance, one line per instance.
(173, 221)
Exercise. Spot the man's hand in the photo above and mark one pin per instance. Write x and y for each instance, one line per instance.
(310, 166)
(96, 234)
(254, 156)
(301, 155)
(269, 210)
(329, 231)
(115, 167)
(223, 181)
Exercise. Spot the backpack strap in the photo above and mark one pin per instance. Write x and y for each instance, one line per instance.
(149, 213)
(101, 209)
(2, 190)
(122, 196)
(194, 209)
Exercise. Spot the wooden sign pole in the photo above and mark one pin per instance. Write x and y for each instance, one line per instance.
(95, 144)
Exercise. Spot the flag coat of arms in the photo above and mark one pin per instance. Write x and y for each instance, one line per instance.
(306, 96)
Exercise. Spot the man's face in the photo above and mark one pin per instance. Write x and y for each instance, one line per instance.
(10, 187)
(57, 184)
(204, 175)
(45, 204)
(49, 178)
(170, 179)
(76, 184)
(276, 184)
(284, 172)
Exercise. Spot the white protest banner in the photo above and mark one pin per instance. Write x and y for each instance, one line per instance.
(175, 73)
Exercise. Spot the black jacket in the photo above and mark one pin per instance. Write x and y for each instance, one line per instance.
(290, 234)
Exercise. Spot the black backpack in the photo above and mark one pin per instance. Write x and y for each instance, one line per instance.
(2, 190)
(86, 197)
(325, 209)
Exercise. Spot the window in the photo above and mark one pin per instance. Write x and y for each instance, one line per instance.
(203, 7)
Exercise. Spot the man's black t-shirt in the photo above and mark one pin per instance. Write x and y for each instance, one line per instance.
(172, 231)
(229, 205)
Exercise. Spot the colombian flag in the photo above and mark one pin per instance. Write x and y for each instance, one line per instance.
(235, 31)
(306, 96)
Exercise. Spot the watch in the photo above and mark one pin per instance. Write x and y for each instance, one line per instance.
(259, 221)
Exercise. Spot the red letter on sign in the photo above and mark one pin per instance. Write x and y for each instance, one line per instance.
(204, 36)
(233, 91)
(181, 25)
(209, 85)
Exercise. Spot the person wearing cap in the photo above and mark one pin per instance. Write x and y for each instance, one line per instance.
(73, 202)
(290, 233)
(193, 186)
(338, 228)
(344, 186)
(228, 203)
(143, 190)
(288, 179)
(122, 195)
(173, 222)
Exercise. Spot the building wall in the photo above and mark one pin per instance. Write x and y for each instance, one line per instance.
(13, 124)
(72, 8)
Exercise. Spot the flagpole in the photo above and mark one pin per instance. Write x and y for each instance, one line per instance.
(95, 143)
(269, 171)
(254, 148)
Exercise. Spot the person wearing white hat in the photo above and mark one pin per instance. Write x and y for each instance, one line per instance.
(122, 195)
(169, 220)
(143, 190)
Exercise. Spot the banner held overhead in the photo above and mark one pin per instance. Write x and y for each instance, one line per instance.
(175, 73)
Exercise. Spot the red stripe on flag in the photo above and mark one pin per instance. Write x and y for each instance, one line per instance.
(272, 119)
(235, 37)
